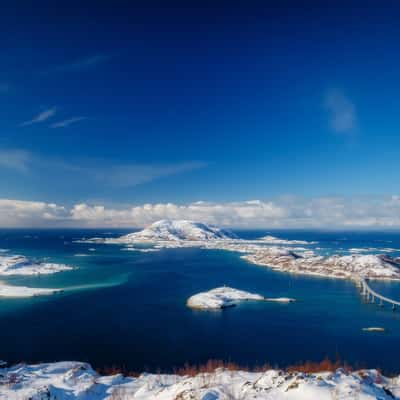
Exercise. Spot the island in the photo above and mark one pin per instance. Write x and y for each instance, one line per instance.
(262, 251)
(21, 265)
(221, 297)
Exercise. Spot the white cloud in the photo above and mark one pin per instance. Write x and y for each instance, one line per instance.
(43, 116)
(227, 214)
(15, 213)
(342, 111)
(328, 213)
(66, 122)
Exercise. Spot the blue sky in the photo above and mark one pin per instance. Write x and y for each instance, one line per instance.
(222, 102)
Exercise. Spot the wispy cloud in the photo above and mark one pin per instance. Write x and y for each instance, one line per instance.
(130, 175)
(66, 122)
(108, 174)
(101, 173)
(80, 64)
(41, 117)
(17, 160)
(342, 111)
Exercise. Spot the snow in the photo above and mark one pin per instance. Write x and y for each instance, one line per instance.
(281, 299)
(348, 267)
(76, 380)
(299, 260)
(221, 297)
(23, 291)
(374, 329)
(274, 240)
(368, 265)
(20, 265)
(175, 230)
(141, 250)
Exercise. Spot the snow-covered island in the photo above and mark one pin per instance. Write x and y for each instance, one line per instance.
(224, 297)
(75, 380)
(263, 251)
(20, 265)
(274, 240)
(221, 297)
(345, 267)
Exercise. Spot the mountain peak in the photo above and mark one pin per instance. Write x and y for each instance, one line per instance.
(166, 229)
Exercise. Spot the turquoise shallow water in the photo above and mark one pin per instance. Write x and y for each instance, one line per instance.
(128, 308)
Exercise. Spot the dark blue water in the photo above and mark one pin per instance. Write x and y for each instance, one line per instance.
(128, 308)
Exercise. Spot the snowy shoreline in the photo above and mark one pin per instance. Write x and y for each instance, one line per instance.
(20, 265)
(77, 380)
(11, 291)
(23, 266)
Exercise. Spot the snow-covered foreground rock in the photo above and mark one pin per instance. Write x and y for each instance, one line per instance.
(23, 291)
(74, 380)
(221, 297)
(20, 265)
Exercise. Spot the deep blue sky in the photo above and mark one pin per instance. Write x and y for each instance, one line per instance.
(222, 101)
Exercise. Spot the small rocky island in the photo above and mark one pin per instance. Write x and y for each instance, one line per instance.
(221, 297)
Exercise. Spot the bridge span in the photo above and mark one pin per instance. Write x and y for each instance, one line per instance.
(371, 295)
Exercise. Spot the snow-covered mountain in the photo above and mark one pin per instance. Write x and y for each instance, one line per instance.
(179, 230)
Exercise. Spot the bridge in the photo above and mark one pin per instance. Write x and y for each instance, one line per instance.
(371, 295)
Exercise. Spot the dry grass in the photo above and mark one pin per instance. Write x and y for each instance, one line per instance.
(211, 365)
(325, 365)
(208, 367)
(115, 370)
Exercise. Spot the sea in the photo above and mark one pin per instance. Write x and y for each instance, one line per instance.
(127, 309)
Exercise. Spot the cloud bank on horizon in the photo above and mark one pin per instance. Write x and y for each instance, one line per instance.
(328, 213)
